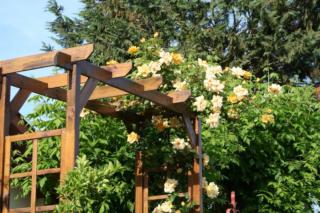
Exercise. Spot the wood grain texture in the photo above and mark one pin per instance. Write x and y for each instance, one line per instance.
(61, 58)
(4, 131)
(139, 183)
(33, 199)
(70, 139)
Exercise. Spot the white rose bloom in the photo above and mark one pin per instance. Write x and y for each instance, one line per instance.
(200, 103)
(180, 85)
(179, 143)
(170, 185)
(212, 190)
(143, 70)
(240, 92)
(237, 71)
(274, 89)
(165, 57)
(213, 120)
(166, 207)
(206, 159)
(216, 70)
(154, 66)
(213, 85)
(202, 63)
(216, 102)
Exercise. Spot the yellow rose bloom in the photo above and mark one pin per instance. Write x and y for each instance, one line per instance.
(247, 75)
(267, 118)
(155, 35)
(133, 50)
(133, 137)
(111, 62)
(177, 58)
(232, 98)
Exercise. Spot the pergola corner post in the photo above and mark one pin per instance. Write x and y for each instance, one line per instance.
(139, 173)
(197, 169)
(70, 137)
(4, 126)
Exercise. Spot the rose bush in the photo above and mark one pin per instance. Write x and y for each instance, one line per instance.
(260, 139)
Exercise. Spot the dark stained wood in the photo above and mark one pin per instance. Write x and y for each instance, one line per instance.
(55, 58)
(70, 139)
(4, 130)
(190, 129)
(86, 92)
(139, 183)
(197, 170)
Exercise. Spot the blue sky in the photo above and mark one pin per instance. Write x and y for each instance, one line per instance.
(23, 27)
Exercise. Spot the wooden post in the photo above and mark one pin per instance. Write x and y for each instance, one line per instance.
(4, 125)
(70, 138)
(197, 170)
(139, 183)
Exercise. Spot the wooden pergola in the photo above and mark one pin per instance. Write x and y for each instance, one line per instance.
(79, 88)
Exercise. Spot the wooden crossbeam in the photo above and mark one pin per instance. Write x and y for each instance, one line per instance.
(108, 91)
(86, 92)
(60, 80)
(61, 58)
(18, 100)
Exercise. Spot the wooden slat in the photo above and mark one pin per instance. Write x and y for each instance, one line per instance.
(39, 172)
(38, 209)
(60, 80)
(139, 183)
(162, 197)
(35, 135)
(94, 71)
(4, 129)
(33, 199)
(86, 92)
(70, 139)
(54, 58)
(108, 91)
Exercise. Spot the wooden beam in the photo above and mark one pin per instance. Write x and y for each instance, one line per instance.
(190, 129)
(86, 92)
(18, 100)
(4, 129)
(70, 139)
(60, 80)
(58, 93)
(100, 73)
(179, 96)
(61, 58)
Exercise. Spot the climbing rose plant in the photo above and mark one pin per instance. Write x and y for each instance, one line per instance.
(259, 138)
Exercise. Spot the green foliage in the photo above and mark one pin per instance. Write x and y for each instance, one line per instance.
(262, 36)
(89, 189)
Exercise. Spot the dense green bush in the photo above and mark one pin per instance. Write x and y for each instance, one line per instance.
(261, 138)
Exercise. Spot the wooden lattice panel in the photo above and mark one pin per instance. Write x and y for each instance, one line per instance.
(34, 137)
